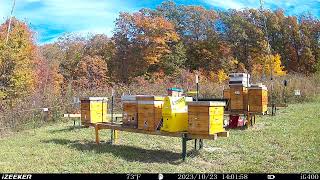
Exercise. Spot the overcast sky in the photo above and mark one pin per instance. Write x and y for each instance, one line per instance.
(52, 18)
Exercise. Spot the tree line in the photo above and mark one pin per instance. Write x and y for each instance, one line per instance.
(160, 42)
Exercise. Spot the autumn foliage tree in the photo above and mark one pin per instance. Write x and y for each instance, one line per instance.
(141, 41)
(18, 59)
(91, 73)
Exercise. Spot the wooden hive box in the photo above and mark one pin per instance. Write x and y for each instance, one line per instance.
(149, 112)
(258, 99)
(94, 110)
(226, 95)
(130, 111)
(238, 98)
(205, 117)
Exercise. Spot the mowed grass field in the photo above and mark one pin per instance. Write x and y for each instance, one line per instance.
(287, 143)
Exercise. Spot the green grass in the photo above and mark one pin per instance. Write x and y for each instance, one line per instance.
(288, 143)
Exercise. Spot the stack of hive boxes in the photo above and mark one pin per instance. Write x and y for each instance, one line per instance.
(149, 112)
(258, 98)
(238, 91)
(205, 117)
(130, 111)
(142, 111)
(94, 110)
(243, 95)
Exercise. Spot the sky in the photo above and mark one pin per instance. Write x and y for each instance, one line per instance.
(50, 19)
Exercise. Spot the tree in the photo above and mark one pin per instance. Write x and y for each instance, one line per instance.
(18, 59)
(175, 60)
(141, 40)
(91, 73)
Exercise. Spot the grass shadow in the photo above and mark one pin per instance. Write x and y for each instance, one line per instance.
(129, 153)
(68, 129)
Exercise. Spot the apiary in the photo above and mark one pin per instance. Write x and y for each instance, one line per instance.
(205, 117)
(149, 112)
(175, 114)
(238, 98)
(94, 110)
(258, 99)
(130, 111)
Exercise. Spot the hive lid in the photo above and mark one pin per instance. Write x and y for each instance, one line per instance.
(129, 98)
(231, 75)
(175, 89)
(258, 86)
(149, 97)
(207, 103)
(95, 98)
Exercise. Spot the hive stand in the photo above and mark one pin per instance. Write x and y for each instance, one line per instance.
(184, 135)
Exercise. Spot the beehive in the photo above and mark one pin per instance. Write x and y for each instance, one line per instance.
(226, 93)
(130, 111)
(175, 114)
(94, 110)
(258, 99)
(205, 117)
(149, 112)
(175, 92)
(239, 79)
(238, 98)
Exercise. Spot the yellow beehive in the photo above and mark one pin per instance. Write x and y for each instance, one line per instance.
(130, 111)
(258, 99)
(238, 98)
(175, 114)
(94, 110)
(205, 117)
(149, 112)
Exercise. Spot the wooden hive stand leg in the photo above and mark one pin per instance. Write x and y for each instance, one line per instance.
(200, 143)
(184, 147)
(96, 127)
(195, 144)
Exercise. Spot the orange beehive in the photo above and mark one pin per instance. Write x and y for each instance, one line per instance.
(149, 112)
(130, 111)
(238, 98)
(205, 117)
(258, 99)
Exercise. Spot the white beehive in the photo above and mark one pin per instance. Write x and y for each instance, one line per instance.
(242, 79)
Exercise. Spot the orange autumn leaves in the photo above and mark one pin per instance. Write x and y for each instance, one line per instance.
(152, 35)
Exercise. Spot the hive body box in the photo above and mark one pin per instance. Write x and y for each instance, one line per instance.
(258, 99)
(226, 95)
(205, 117)
(149, 112)
(94, 110)
(238, 98)
(130, 111)
(175, 114)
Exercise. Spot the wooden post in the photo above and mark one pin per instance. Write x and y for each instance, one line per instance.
(184, 147)
(96, 128)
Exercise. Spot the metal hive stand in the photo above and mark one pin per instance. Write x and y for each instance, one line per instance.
(184, 135)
